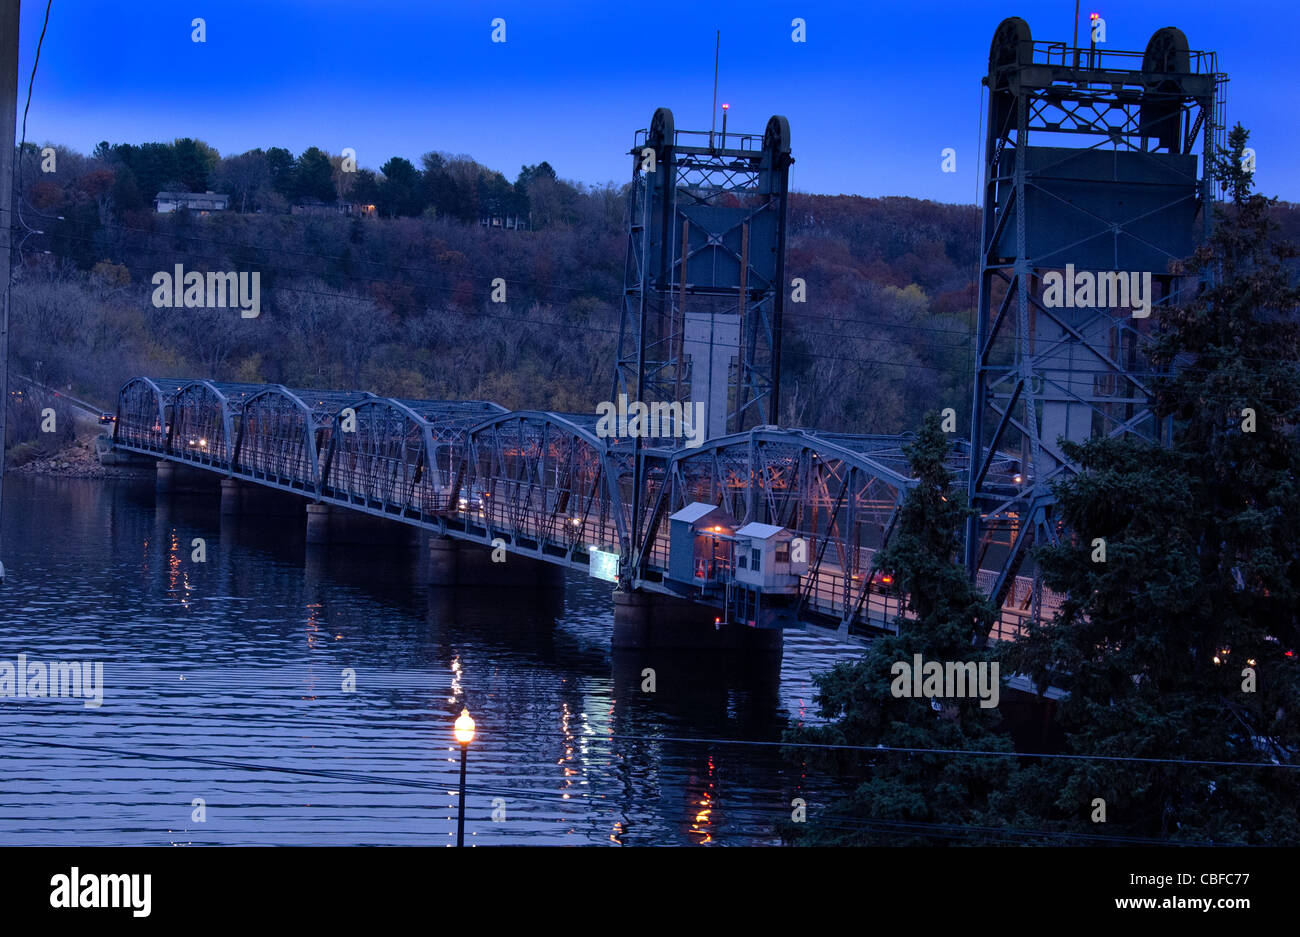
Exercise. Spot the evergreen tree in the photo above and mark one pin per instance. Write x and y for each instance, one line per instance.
(520, 203)
(154, 165)
(400, 190)
(194, 162)
(314, 176)
(1179, 645)
(913, 798)
(365, 188)
(440, 190)
(283, 169)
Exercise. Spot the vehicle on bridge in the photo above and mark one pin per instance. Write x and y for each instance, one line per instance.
(473, 500)
(818, 507)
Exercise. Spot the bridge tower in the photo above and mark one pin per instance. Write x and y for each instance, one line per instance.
(703, 293)
(1094, 164)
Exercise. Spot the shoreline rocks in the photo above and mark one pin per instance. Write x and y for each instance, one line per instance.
(76, 461)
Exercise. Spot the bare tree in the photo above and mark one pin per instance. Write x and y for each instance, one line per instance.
(241, 177)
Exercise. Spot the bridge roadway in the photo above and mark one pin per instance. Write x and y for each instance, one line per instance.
(548, 486)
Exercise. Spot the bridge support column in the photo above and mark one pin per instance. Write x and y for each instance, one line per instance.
(329, 523)
(461, 563)
(175, 478)
(241, 497)
(107, 455)
(648, 620)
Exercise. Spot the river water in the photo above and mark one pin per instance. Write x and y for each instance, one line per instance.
(225, 719)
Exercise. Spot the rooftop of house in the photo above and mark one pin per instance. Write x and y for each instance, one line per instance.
(182, 196)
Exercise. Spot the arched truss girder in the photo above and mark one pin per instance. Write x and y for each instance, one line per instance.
(449, 423)
(843, 503)
(203, 423)
(277, 439)
(545, 478)
(891, 446)
(384, 461)
(141, 418)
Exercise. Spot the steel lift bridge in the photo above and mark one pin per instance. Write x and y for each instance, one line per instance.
(553, 490)
(772, 526)
(1090, 168)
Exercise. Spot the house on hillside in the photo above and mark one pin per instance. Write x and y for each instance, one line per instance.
(314, 206)
(512, 222)
(201, 202)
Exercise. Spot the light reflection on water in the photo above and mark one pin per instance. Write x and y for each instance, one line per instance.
(222, 671)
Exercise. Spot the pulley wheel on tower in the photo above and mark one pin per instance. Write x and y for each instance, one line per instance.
(1166, 54)
(662, 131)
(1012, 45)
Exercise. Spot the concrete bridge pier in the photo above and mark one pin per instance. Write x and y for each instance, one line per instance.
(328, 523)
(461, 563)
(175, 478)
(648, 620)
(241, 497)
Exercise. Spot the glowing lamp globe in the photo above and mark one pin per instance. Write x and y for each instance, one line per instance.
(464, 727)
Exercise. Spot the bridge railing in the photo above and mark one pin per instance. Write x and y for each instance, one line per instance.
(545, 481)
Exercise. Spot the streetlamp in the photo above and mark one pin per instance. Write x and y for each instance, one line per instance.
(464, 732)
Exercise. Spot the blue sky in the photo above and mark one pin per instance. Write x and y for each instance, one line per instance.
(873, 96)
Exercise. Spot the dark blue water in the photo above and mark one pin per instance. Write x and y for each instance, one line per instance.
(223, 681)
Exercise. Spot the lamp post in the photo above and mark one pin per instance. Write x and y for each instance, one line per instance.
(464, 732)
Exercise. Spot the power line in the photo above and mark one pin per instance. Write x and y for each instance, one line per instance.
(31, 81)
(589, 328)
(274, 769)
(800, 316)
(793, 329)
(585, 328)
(591, 799)
(237, 246)
(962, 751)
(858, 361)
(12, 24)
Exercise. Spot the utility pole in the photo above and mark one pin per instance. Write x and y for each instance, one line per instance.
(8, 115)
(713, 113)
(1076, 33)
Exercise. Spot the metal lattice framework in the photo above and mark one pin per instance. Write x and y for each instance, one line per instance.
(706, 237)
(384, 460)
(839, 493)
(1091, 164)
(1110, 184)
(547, 484)
(544, 483)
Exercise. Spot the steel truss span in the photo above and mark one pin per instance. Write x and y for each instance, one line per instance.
(1094, 167)
(545, 483)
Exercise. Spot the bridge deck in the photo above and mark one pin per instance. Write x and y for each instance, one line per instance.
(547, 485)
